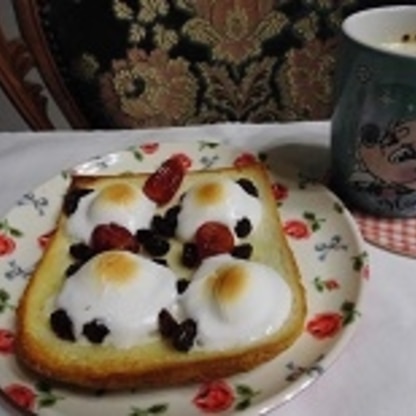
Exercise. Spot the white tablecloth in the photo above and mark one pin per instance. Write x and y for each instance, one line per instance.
(376, 373)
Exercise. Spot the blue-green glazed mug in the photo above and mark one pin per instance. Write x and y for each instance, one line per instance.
(373, 128)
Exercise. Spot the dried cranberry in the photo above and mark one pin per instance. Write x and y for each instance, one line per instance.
(61, 325)
(95, 331)
(243, 228)
(248, 186)
(72, 198)
(213, 238)
(112, 236)
(162, 185)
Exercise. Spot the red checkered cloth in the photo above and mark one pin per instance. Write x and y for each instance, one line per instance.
(396, 235)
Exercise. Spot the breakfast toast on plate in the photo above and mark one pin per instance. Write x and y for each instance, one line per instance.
(163, 278)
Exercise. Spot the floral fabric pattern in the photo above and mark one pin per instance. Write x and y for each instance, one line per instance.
(133, 64)
(234, 29)
(148, 90)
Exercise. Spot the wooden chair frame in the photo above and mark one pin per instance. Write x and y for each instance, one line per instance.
(27, 98)
(18, 57)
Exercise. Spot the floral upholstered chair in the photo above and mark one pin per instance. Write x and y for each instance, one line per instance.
(145, 63)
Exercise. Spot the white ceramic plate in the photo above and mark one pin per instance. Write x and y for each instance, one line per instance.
(322, 234)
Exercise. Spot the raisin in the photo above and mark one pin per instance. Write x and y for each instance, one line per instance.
(73, 268)
(172, 214)
(242, 251)
(243, 228)
(81, 252)
(184, 337)
(181, 335)
(62, 325)
(166, 225)
(182, 285)
(95, 331)
(167, 324)
(72, 198)
(160, 226)
(156, 246)
(143, 235)
(152, 243)
(248, 186)
(162, 262)
(190, 257)
(112, 236)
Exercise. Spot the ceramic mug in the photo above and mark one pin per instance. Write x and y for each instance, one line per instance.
(373, 128)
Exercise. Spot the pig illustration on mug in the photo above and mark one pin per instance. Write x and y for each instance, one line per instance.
(386, 161)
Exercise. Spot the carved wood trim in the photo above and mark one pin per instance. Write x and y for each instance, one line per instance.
(32, 31)
(26, 96)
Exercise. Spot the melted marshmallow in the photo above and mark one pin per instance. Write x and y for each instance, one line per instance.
(125, 291)
(221, 200)
(120, 203)
(235, 301)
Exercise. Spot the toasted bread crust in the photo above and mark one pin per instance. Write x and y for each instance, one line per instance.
(154, 363)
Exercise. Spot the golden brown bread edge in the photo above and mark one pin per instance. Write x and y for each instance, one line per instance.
(153, 364)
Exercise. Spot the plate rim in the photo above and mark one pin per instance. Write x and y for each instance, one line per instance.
(294, 388)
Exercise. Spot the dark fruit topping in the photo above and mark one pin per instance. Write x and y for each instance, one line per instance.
(154, 244)
(112, 237)
(242, 251)
(167, 324)
(172, 213)
(248, 186)
(143, 234)
(81, 252)
(72, 198)
(161, 226)
(184, 338)
(62, 325)
(162, 262)
(95, 331)
(162, 185)
(73, 268)
(243, 228)
(166, 225)
(213, 238)
(182, 335)
(157, 246)
(182, 285)
(190, 257)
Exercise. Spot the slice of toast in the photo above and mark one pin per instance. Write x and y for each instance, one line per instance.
(154, 362)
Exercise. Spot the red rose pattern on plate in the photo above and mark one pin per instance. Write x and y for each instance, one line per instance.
(325, 325)
(6, 341)
(7, 245)
(296, 229)
(22, 395)
(214, 397)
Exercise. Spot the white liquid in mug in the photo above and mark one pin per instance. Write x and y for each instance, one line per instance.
(406, 48)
